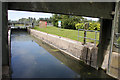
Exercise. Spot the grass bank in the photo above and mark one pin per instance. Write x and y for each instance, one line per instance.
(67, 33)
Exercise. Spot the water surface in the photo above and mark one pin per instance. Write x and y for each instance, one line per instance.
(33, 58)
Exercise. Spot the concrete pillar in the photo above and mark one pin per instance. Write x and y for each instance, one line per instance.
(104, 40)
(114, 54)
(116, 30)
(0, 40)
(5, 55)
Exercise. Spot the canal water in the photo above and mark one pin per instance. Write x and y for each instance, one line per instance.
(33, 58)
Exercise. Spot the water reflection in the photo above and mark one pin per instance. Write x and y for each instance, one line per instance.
(32, 58)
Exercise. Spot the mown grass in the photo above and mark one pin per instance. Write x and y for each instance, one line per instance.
(68, 33)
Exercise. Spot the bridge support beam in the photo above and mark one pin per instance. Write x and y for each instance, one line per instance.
(4, 38)
(110, 43)
(5, 55)
(114, 53)
(105, 36)
(0, 40)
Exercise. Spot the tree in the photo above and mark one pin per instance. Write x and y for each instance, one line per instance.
(68, 21)
(55, 19)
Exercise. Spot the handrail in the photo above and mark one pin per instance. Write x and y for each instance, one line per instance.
(85, 33)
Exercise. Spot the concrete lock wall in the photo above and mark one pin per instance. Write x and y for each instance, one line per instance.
(87, 53)
(115, 65)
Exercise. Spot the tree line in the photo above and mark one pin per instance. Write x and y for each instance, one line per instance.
(68, 21)
(74, 22)
(30, 20)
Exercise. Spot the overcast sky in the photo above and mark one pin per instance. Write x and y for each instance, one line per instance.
(16, 15)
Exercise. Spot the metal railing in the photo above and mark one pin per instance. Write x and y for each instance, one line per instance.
(85, 34)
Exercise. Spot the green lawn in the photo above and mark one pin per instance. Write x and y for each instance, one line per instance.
(68, 33)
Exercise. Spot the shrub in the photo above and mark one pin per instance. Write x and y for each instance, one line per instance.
(79, 26)
(92, 26)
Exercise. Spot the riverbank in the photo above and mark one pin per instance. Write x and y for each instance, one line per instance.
(73, 34)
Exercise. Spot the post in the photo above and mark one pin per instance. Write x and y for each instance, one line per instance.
(32, 25)
(59, 24)
(95, 37)
(78, 34)
(84, 37)
(85, 32)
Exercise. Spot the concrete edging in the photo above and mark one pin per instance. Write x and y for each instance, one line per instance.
(86, 53)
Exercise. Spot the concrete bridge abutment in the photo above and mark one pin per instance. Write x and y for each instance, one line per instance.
(4, 54)
(104, 40)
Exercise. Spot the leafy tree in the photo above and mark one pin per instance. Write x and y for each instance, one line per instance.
(68, 21)
(55, 19)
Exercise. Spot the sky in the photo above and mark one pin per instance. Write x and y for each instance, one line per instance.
(16, 15)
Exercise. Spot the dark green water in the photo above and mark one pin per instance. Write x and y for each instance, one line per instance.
(33, 58)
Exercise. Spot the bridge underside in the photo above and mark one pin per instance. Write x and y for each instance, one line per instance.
(107, 12)
(103, 10)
